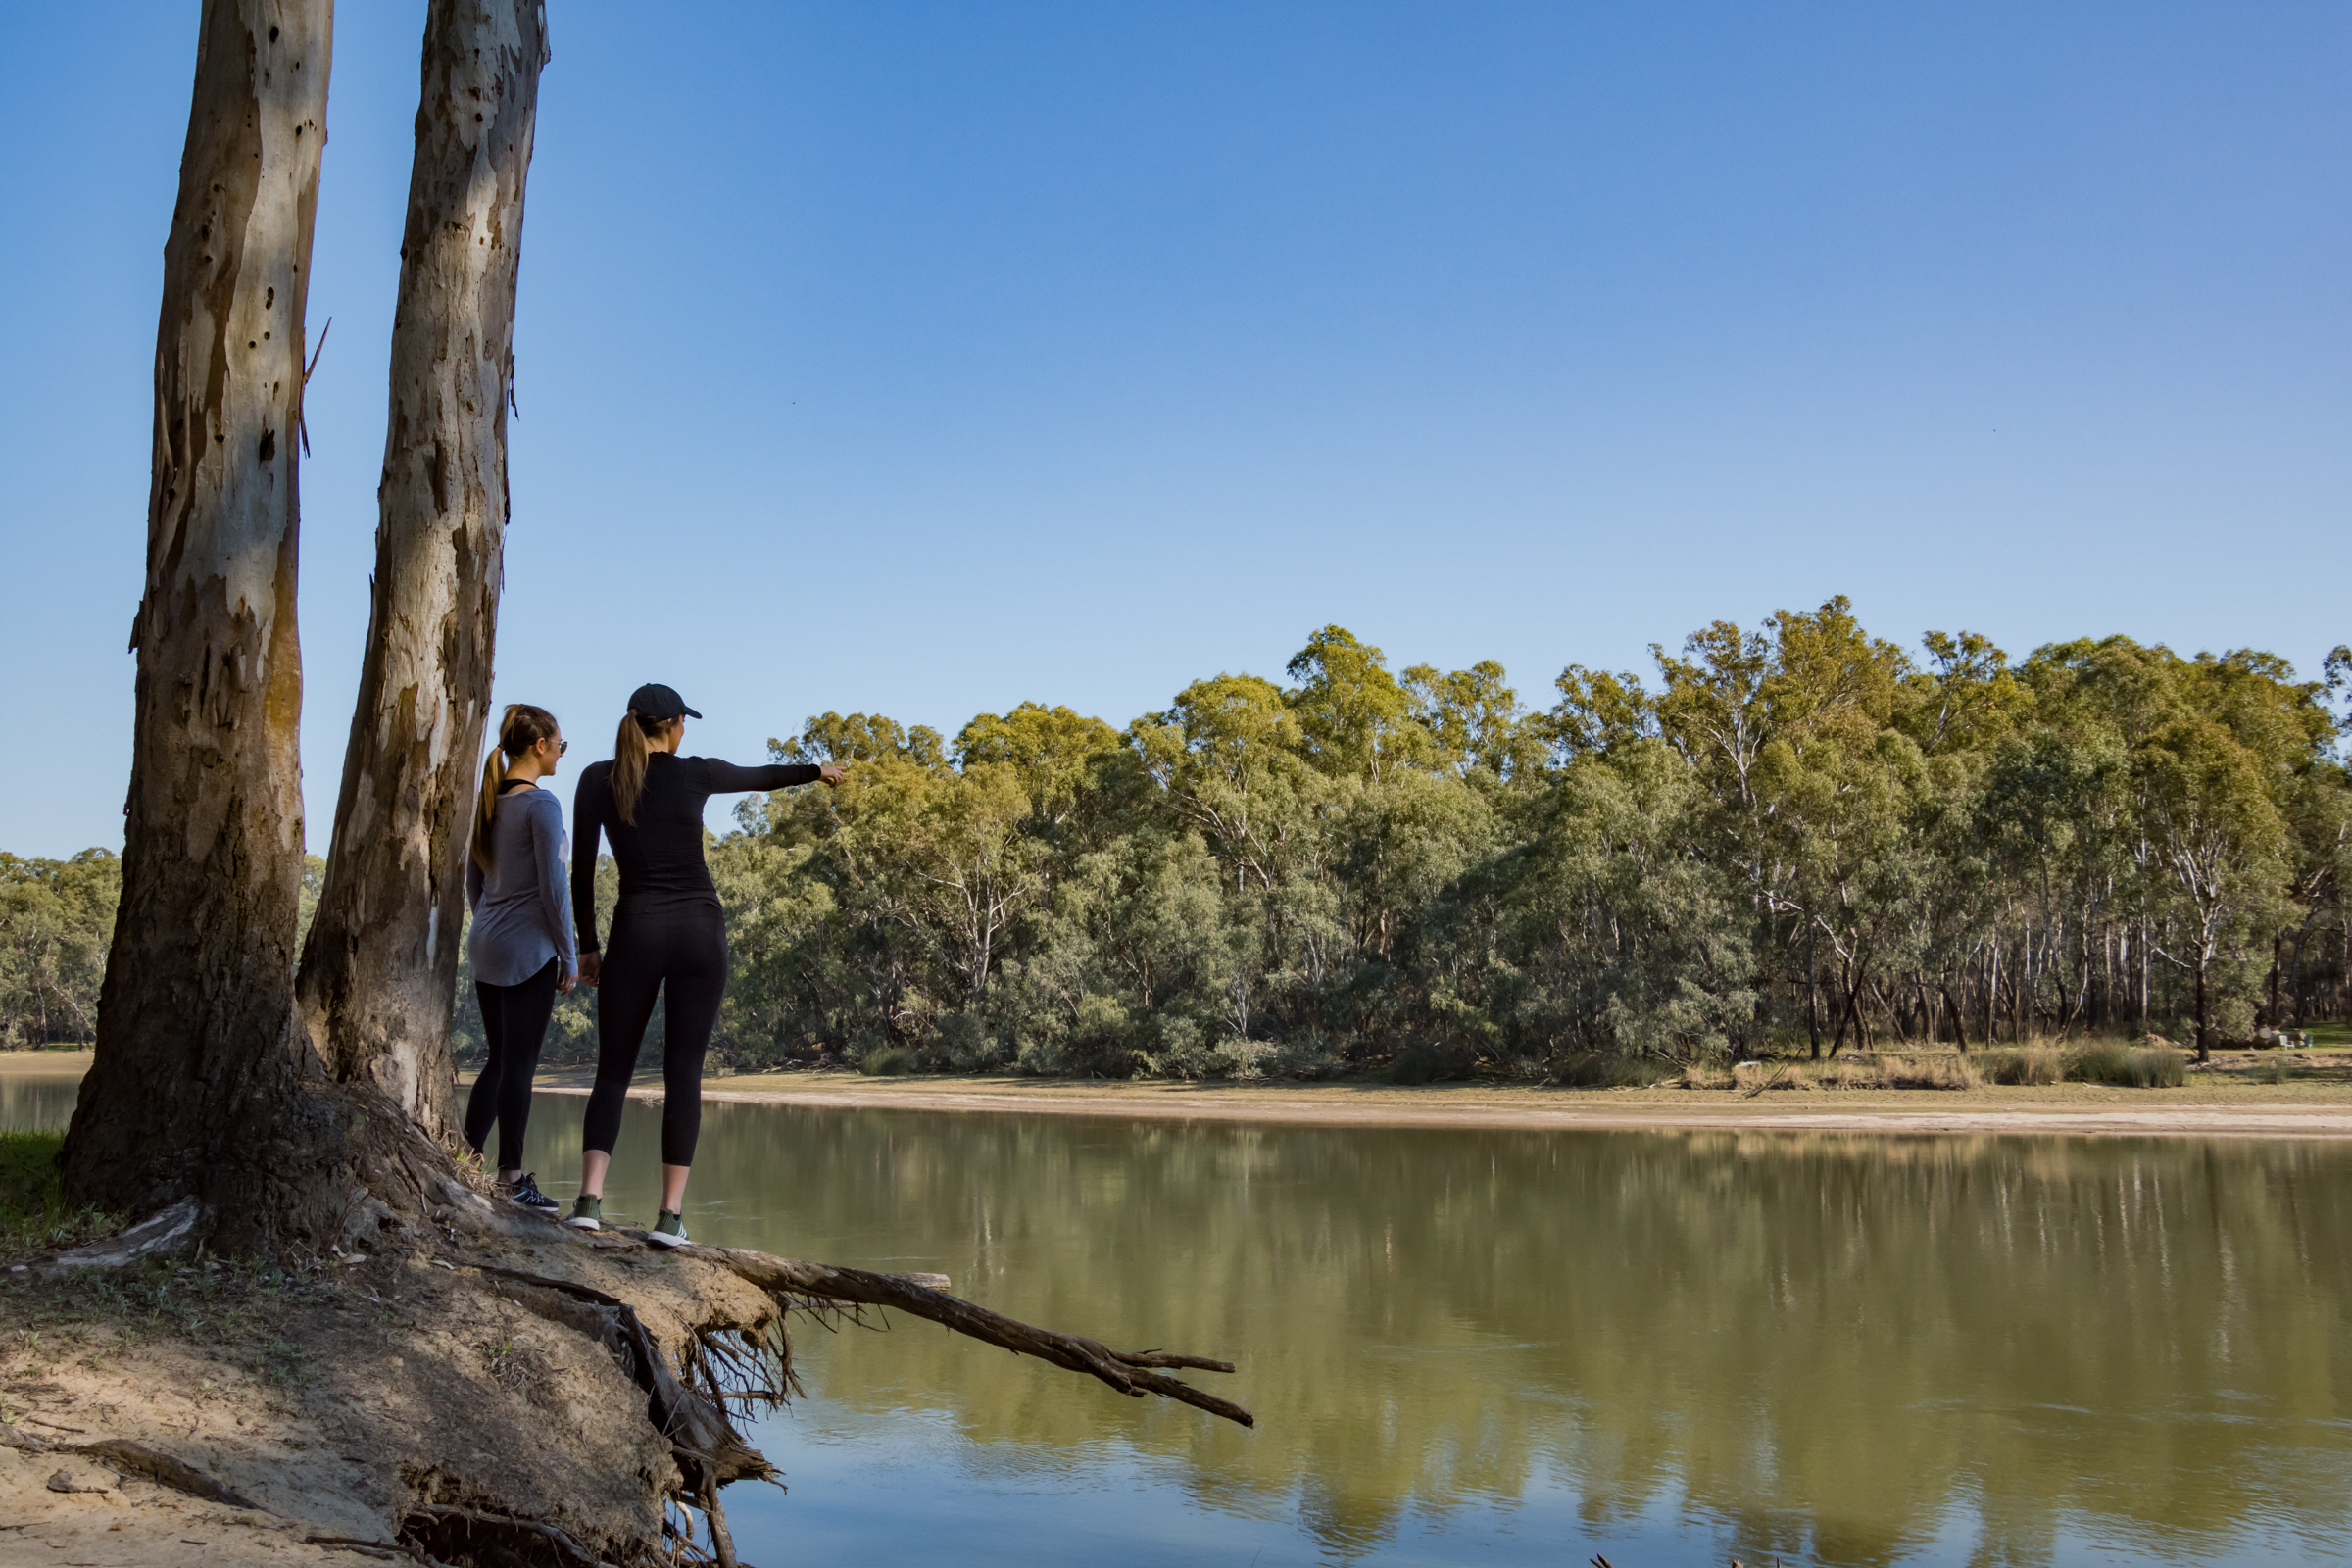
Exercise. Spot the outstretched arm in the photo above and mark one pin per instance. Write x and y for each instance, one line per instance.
(726, 778)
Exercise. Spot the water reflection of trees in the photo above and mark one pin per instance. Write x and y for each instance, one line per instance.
(1829, 1343)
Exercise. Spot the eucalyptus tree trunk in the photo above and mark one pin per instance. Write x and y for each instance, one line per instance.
(379, 966)
(197, 1044)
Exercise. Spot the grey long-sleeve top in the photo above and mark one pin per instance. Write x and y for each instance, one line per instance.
(521, 913)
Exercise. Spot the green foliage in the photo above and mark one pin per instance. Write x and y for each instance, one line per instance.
(57, 921)
(1798, 832)
(1793, 835)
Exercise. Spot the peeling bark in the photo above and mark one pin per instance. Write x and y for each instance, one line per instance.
(379, 968)
(196, 1022)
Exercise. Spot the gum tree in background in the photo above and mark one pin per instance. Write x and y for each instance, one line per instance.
(379, 966)
(196, 1032)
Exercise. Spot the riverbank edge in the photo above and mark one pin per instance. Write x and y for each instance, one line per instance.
(2220, 1104)
(2117, 1114)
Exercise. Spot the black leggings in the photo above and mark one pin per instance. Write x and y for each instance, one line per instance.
(680, 952)
(514, 1021)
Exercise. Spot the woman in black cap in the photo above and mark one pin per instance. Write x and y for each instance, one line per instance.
(668, 934)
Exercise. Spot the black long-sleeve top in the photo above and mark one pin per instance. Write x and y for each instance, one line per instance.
(659, 854)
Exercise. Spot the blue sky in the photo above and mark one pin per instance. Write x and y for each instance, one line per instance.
(928, 359)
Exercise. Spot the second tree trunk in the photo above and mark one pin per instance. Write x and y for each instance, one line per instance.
(379, 966)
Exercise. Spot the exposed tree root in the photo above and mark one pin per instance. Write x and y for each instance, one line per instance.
(470, 1534)
(704, 1441)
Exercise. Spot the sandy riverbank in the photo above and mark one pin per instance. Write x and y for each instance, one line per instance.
(2220, 1109)
(2229, 1100)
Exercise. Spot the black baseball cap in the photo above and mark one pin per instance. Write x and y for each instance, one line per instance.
(659, 703)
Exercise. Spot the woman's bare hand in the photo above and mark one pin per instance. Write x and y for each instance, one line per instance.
(832, 774)
(592, 965)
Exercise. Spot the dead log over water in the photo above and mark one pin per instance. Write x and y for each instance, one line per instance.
(1128, 1371)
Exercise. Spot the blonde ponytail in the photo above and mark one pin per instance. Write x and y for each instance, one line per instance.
(629, 754)
(494, 773)
(519, 728)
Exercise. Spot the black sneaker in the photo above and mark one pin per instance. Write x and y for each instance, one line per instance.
(527, 1193)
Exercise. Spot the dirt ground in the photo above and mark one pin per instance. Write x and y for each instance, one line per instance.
(210, 1412)
(300, 1405)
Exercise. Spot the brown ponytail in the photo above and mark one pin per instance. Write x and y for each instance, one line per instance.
(629, 752)
(520, 728)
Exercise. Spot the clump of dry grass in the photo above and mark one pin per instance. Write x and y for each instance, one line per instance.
(1755, 1077)
(1701, 1075)
(1938, 1070)
(1845, 1074)
(471, 1170)
(2111, 1062)
(2033, 1064)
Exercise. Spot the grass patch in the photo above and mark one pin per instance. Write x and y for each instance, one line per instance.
(2272, 1069)
(35, 1216)
(1927, 1070)
(2031, 1065)
(2111, 1062)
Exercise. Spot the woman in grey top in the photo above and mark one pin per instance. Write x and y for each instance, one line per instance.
(521, 945)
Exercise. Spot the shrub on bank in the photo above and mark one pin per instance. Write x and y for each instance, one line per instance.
(890, 1061)
(2111, 1062)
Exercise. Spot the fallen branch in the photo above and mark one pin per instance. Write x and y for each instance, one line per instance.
(1125, 1371)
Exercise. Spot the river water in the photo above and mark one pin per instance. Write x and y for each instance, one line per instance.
(1520, 1347)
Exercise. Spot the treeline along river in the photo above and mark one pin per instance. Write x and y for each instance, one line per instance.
(1786, 837)
(1525, 1347)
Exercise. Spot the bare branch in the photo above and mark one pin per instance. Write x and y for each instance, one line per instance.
(1126, 1372)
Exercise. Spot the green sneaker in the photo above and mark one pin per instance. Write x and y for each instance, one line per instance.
(587, 1214)
(669, 1230)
